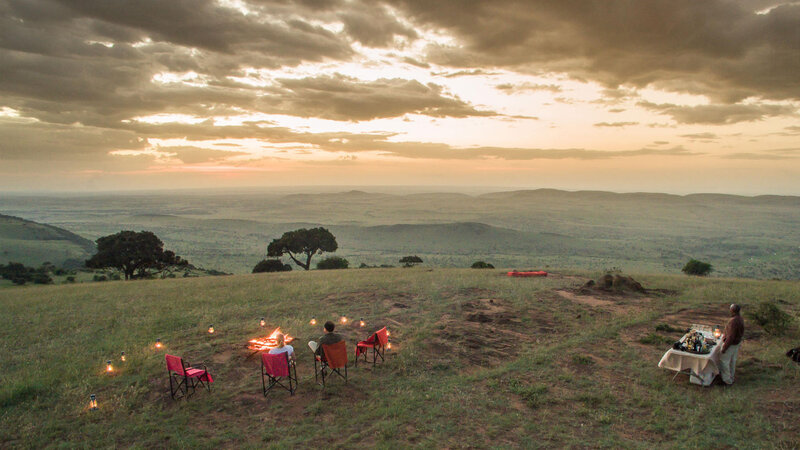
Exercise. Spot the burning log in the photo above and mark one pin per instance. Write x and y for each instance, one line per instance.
(269, 342)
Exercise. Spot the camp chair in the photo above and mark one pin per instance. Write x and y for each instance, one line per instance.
(335, 360)
(275, 368)
(377, 342)
(184, 379)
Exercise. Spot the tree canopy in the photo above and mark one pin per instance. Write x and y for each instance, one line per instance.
(134, 254)
(410, 261)
(297, 243)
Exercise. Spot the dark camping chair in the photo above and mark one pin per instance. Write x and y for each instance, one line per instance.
(335, 359)
(377, 342)
(275, 369)
(184, 379)
(794, 354)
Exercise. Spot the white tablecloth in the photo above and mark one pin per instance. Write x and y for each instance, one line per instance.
(703, 368)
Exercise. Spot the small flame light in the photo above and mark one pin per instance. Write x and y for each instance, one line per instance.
(92, 402)
(343, 320)
(388, 334)
(313, 321)
(361, 323)
(109, 367)
(211, 329)
(122, 357)
(388, 345)
(263, 322)
(158, 343)
(717, 332)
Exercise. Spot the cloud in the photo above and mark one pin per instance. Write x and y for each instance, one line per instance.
(718, 114)
(510, 88)
(766, 155)
(197, 155)
(373, 26)
(339, 97)
(615, 124)
(719, 48)
(700, 136)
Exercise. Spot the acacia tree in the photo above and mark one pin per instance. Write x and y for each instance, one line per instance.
(410, 261)
(303, 242)
(134, 254)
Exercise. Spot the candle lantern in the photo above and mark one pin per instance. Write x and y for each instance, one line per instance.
(313, 321)
(122, 357)
(387, 333)
(361, 323)
(211, 329)
(262, 322)
(92, 402)
(158, 343)
(109, 367)
(343, 320)
(388, 344)
(717, 332)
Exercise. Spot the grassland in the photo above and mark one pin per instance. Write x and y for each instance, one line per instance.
(754, 237)
(478, 360)
(33, 243)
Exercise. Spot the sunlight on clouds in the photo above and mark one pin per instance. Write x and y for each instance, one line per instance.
(190, 78)
(160, 119)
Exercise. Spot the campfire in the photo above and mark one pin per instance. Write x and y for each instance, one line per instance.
(269, 342)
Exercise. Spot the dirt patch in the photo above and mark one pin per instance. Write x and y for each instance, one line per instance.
(484, 333)
(589, 300)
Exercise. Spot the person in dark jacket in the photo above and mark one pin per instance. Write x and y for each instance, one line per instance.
(731, 341)
(327, 339)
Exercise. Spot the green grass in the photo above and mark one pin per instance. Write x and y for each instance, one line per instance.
(575, 375)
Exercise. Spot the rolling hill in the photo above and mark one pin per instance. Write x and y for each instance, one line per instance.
(33, 243)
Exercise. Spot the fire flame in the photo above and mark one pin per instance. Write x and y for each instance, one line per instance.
(269, 342)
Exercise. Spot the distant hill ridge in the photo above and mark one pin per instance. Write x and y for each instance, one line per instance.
(33, 243)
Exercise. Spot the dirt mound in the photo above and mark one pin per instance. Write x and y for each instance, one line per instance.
(614, 284)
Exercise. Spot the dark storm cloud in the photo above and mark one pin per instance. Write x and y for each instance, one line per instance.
(718, 114)
(720, 48)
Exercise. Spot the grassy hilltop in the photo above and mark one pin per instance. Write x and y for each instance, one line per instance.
(478, 360)
(33, 243)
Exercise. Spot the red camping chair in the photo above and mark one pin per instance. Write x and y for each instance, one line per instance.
(335, 360)
(377, 342)
(183, 378)
(276, 368)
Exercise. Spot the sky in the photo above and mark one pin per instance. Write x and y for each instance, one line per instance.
(674, 96)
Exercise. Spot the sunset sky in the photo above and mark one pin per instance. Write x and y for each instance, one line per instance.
(670, 96)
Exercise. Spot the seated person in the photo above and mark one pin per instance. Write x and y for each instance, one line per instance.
(282, 347)
(327, 339)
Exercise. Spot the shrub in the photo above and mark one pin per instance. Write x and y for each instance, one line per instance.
(695, 267)
(481, 265)
(333, 262)
(42, 278)
(410, 261)
(771, 318)
(100, 278)
(271, 265)
(70, 279)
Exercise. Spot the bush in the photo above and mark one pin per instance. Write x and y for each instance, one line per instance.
(481, 265)
(70, 279)
(695, 267)
(100, 278)
(42, 278)
(771, 318)
(271, 265)
(410, 261)
(333, 262)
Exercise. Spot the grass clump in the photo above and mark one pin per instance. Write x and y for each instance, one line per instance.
(667, 328)
(770, 317)
(534, 395)
(582, 360)
(655, 339)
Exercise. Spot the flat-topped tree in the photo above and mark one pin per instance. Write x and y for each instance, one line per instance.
(134, 254)
(304, 241)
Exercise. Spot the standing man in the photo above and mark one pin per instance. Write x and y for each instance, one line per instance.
(730, 345)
